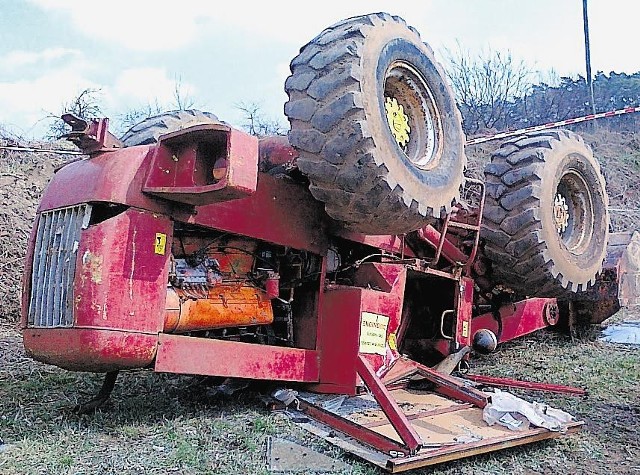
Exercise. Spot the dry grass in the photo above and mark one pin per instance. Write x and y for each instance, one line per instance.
(154, 424)
(158, 423)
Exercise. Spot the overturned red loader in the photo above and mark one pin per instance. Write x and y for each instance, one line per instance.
(351, 255)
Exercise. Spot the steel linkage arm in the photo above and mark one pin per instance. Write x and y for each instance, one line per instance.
(392, 410)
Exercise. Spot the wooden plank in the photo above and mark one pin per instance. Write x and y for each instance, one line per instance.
(447, 430)
(421, 415)
(447, 454)
(412, 401)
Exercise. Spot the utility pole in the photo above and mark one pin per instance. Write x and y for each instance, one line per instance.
(587, 55)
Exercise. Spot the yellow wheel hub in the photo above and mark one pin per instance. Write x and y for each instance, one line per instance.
(398, 121)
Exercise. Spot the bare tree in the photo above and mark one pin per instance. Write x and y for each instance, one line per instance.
(256, 123)
(133, 116)
(85, 105)
(182, 100)
(486, 85)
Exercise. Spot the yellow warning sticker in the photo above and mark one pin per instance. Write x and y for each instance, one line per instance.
(373, 333)
(161, 243)
(392, 342)
(465, 329)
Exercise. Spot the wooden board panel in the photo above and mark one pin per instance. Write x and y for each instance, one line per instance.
(450, 430)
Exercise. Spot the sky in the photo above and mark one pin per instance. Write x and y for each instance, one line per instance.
(224, 53)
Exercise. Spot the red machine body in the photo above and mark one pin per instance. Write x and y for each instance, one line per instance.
(111, 281)
(191, 256)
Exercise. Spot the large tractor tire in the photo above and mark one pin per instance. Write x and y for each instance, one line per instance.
(546, 222)
(149, 130)
(376, 125)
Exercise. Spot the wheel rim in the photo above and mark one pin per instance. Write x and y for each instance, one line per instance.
(412, 115)
(573, 213)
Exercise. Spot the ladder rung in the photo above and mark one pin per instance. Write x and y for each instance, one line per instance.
(472, 227)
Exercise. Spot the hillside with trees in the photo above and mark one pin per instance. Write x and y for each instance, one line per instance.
(497, 92)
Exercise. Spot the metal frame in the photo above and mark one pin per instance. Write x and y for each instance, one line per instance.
(380, 390)
(516, 383)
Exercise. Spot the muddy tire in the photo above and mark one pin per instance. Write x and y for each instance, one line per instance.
(346, 87)
(148, 131)
(546, 221)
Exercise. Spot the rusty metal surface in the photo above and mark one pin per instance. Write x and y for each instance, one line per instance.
(91, 137)
(434, 238)
(338, 333)
(357, 431)
(118, 177)
(464, 312)
(120, 284)
(223, 306)
(114, 177)
(121, 273)
(350, 327)
(515, 383)
(449, 430)
(279, 212)
(389, 406)
(384, 433)
(444, 384)
(55, 250)
(384, 298)
(204, 356)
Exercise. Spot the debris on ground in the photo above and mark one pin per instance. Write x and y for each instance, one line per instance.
(517, 414)
(624, 333)
(286, 456)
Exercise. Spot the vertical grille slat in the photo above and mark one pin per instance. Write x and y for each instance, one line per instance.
(44, 239)
(34, 300)
(54, 265)
(50, 249)
(65, 281)
(58, 259)
(50, 265)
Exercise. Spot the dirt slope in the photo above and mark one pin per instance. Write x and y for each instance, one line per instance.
(23, 176)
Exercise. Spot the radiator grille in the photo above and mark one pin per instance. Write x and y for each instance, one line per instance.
(54, 266)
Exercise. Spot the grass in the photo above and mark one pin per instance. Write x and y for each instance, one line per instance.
(159, 423)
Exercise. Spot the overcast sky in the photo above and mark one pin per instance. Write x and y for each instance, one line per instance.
(231, 51)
